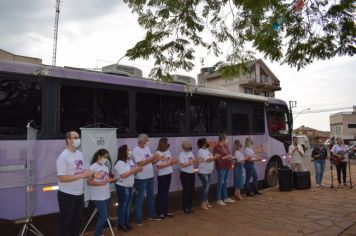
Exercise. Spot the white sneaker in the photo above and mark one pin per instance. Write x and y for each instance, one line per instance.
(221, 203)
(229, 200)
(317, 185)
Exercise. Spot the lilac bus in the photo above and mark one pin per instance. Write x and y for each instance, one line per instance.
(62, 99)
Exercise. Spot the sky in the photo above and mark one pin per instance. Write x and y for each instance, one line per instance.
(94, 33)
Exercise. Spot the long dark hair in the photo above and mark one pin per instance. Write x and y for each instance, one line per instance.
(100, 152)
(122, 153)
(201, 142)
(163, 144)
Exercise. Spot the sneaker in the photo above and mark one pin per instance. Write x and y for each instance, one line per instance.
(229, 200)
(169, 214)
(154, 218)
(139, 224)
(221, 203)
(128, 226)
(186, 211)
(317, 185)
(123, 228)
(210, 206)
(162, 216)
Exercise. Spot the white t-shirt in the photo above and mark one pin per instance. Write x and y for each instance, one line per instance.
(205, 167)
(184, 157)
(296, 157)
(337, 149)
(167, 170)
(249, 152)
(70, 163)
(238, 156)
(102, 192)
(122, 167)
(141, 154)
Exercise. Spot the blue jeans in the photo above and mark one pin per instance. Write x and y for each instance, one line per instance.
(143, 185)
(251, 172)
(221, 187)
(238, 176)
(319, 170)
(205, 180)
(125, 199)
(102, 207)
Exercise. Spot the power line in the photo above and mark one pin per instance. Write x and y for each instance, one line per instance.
(327, 110)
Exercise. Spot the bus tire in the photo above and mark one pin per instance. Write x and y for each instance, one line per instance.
(271, 172)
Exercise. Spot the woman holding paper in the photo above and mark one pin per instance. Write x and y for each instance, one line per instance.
(238, 169)
(250, 158)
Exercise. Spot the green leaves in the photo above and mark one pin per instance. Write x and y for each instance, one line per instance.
(176, 28)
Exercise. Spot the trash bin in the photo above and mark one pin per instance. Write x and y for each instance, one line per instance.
(285, 176)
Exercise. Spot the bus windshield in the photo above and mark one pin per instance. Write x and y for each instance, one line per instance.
(278, 122)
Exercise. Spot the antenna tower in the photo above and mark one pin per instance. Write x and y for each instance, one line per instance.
(54, 53)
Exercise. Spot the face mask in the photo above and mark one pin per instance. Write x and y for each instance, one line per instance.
(129, 154)
(147, 143)
(103, 161)
(76, 143)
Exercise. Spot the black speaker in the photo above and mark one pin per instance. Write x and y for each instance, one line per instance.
(301, 180)
(285, 176)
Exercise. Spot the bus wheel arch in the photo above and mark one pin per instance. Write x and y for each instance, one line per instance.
(271, 171)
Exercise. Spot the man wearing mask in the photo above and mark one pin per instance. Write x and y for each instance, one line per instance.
(71, 175)
(296, 151)
(145, 179)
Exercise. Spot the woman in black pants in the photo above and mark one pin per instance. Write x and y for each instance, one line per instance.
(187, 176)
(339, 149)
(165, 170)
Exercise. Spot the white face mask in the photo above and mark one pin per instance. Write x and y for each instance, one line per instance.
(76, 143)
(129, 154)
(103, 161)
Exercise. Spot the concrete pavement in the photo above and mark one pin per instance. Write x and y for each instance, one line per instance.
(318, 211)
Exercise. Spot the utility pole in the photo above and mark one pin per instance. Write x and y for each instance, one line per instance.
(292, 104)
(54, 53)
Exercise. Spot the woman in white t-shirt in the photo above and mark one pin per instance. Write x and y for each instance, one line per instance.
(187, 176)
(99, 188)
(206, 167)
(126, 170)
(250, 158)
(239, 170)
(164, 166)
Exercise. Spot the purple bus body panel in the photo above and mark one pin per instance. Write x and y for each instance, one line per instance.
(13, 184)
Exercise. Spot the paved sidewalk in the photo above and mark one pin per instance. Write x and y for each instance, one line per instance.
(318, 211)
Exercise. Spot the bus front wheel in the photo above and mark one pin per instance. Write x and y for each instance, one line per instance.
(271, 173)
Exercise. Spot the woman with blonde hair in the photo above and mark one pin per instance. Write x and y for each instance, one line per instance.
(238, 169)
(250, 159)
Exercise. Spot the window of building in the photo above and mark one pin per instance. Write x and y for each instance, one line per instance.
(266, 93)
(248, 91)
(351, 126)
(264, 77)
(83, 106)
(20, 102)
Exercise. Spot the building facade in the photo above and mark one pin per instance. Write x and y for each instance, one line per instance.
(343, 125)
(7, 56)
(312, 134)
(260, 81)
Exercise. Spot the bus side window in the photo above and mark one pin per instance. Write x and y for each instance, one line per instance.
(20, 101)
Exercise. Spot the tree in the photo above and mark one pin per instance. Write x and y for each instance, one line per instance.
(293, 32)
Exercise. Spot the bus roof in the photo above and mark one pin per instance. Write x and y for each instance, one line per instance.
(95, 76)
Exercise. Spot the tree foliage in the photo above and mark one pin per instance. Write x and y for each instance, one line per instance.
(293, 32)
